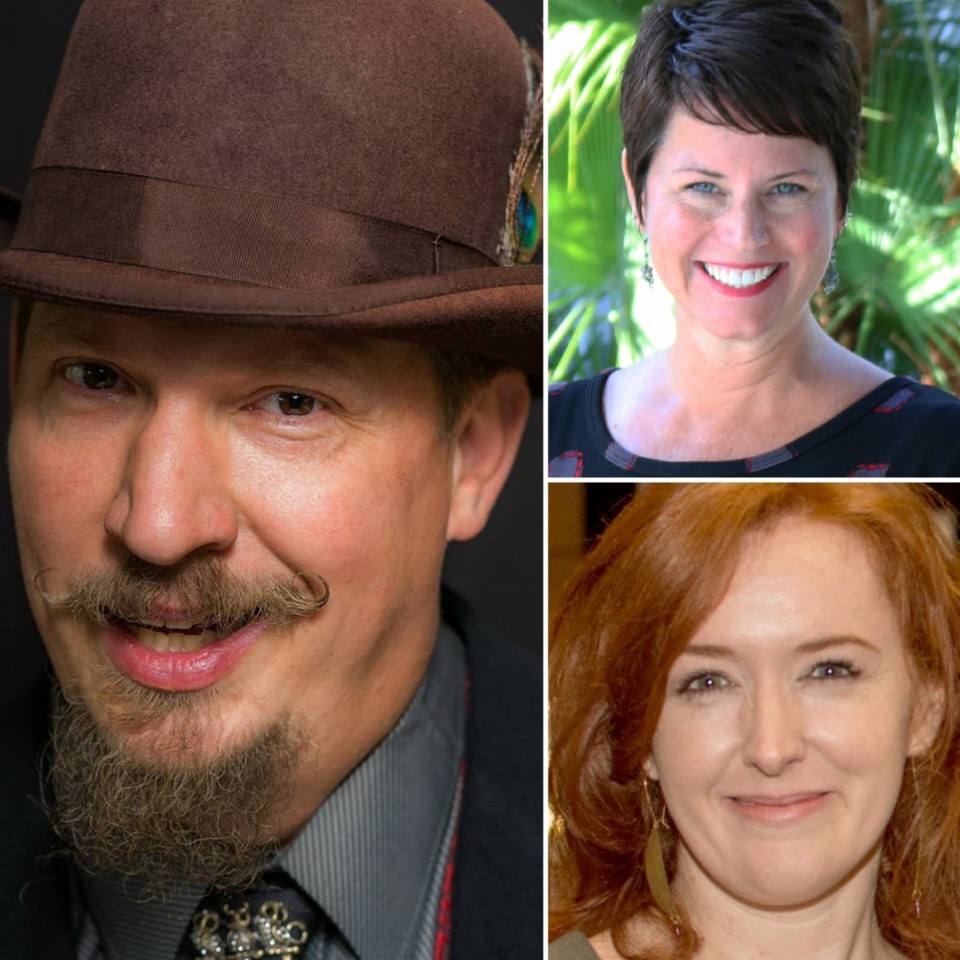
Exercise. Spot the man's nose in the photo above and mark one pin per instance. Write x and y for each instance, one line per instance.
(773, 731)
(173, 495)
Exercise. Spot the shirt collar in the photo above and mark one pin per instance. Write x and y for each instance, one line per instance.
(368, 854)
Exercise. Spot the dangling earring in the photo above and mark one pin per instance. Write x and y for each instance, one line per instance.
(917, 893)
(646, 271)
(654, 867)
(831, 279)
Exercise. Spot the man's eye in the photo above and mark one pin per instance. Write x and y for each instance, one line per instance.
(92, 376)
(290, 404)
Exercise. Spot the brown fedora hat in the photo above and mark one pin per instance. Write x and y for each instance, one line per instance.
(369, 167)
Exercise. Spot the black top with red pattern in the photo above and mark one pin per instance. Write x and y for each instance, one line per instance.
(901, 428)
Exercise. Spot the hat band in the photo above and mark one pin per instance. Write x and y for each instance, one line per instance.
(232, 235)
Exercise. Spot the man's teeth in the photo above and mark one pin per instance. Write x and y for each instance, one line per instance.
(739, 278)
(173, 638)
(182, 625)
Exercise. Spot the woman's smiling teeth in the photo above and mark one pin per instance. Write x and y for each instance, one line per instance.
(731, 277)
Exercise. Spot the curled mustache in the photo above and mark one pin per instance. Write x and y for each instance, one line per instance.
(202, 591)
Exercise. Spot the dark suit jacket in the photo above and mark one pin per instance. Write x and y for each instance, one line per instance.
(498, 866)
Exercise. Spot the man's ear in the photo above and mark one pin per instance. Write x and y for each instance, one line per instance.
(926, 719)
(485, 442)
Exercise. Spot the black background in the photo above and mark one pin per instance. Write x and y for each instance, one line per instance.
(500, 571)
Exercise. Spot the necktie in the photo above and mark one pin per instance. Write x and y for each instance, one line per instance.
(273, 920)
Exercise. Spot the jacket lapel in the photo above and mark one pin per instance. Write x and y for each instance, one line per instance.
(34, 883)
(498, 869)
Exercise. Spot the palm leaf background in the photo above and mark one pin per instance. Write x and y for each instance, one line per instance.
(899, 259)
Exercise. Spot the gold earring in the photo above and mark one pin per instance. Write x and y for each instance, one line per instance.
(654, 867)
(917, 893)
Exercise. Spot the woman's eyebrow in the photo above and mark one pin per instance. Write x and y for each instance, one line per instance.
(701, 171)
(796, 173)
(708, 650)
(843, 639)
(809, 646)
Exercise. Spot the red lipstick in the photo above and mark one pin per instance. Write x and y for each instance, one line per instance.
(738, 292)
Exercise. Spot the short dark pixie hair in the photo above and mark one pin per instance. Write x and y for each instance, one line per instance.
(781, 67)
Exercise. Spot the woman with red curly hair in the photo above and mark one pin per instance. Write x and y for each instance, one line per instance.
(755, 706)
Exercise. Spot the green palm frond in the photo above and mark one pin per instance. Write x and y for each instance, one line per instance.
(899, 304)
(592, 255)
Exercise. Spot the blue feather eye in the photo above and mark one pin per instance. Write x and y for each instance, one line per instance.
(527, 219)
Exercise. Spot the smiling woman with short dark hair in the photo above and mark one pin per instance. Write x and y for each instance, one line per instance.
(741, 128)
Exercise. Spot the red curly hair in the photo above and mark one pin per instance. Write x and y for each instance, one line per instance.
(658, 571)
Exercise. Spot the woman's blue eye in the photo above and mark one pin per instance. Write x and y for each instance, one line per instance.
(703, 187)
(92, 376)
(833, 670)
(788, 189)
(703, 683)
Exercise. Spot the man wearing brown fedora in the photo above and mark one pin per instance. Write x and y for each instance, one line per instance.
(273, 328)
